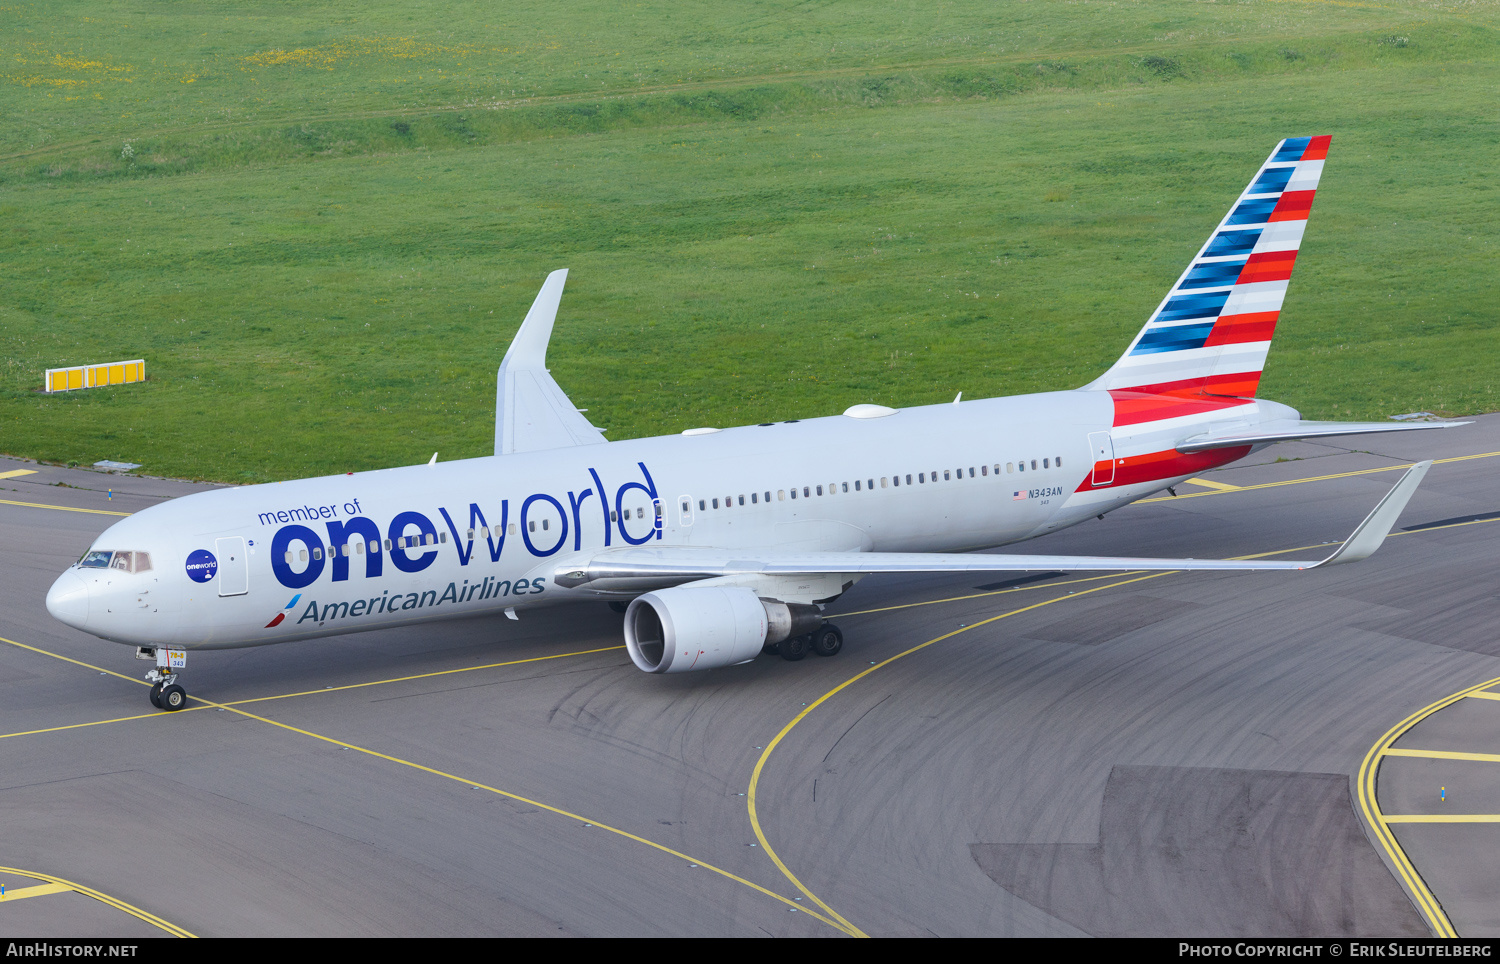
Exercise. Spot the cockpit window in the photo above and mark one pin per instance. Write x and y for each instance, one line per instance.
(124, 561)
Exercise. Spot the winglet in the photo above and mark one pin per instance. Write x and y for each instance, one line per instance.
(1377, 525)
(531, 411)
(529, 348)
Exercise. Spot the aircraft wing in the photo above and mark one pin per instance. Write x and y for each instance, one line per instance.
(1286, 430)
(643, 569)
(531, 411)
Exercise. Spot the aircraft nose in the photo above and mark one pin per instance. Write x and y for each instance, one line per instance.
(68, 600)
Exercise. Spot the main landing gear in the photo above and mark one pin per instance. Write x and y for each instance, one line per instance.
(166, 694)
(827, 640)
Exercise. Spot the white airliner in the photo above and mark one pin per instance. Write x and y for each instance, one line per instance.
(725, 542)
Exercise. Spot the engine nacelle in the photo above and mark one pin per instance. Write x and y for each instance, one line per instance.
(705, 627)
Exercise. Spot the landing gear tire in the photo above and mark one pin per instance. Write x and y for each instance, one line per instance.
(828, 640)
(156, 696)
(172, 697)
(793, 648)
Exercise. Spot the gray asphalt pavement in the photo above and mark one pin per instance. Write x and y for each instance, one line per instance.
(1167, 754)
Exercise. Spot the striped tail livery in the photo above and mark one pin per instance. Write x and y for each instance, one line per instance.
(1210, 334)
(1183, 393)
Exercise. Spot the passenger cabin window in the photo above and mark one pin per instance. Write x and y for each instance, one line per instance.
(820, 490)
(882, 481)
(701, 505)
(984, 470)
(946, 477)
(1057, 461)
(1046, 463)
(1033, 465)
(804, 492)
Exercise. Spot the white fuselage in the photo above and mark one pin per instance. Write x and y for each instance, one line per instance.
(329, 555)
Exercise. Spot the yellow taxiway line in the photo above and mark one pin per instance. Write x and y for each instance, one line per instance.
(1442, 818)
(234, 707)
(1379, 823)
(60, 885)
(775, 741)
(17, 473)
(1221, 486)
(1312, 478)
(60, 508)
(1443, 755)
(40, 890)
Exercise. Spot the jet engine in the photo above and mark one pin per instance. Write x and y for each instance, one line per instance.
(705, 627)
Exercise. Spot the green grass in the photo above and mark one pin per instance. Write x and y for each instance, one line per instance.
(323, 253)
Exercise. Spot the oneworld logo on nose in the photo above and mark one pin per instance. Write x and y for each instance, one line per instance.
(201, 565)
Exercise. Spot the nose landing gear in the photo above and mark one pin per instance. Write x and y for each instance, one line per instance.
(165, 694)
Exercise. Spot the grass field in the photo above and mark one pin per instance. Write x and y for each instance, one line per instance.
(321, 231)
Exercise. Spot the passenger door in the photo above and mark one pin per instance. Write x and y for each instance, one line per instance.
(234, 569)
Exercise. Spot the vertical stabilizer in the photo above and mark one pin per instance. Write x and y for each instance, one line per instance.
(1210, 334)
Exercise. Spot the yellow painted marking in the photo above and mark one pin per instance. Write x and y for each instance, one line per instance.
(60, 508)
(531, 803)
(17, 473)
(766, 753)
(40, 890)
(978, 595)
(1320, 478)
(68, 659)
(1379, 823)
(1443, 818)
(234, 708)
(1444, 755)
(114, 902)
(441, 672)
(263, 699)
(1221, 486)
(1484, 696)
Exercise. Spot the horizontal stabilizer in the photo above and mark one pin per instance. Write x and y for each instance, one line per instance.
(643, 569)
(531, 411)
(1286, 430)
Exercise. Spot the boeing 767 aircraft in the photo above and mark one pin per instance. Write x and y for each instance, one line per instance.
(725, 543)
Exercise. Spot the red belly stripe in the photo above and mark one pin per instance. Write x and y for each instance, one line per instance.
(1156, 466)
